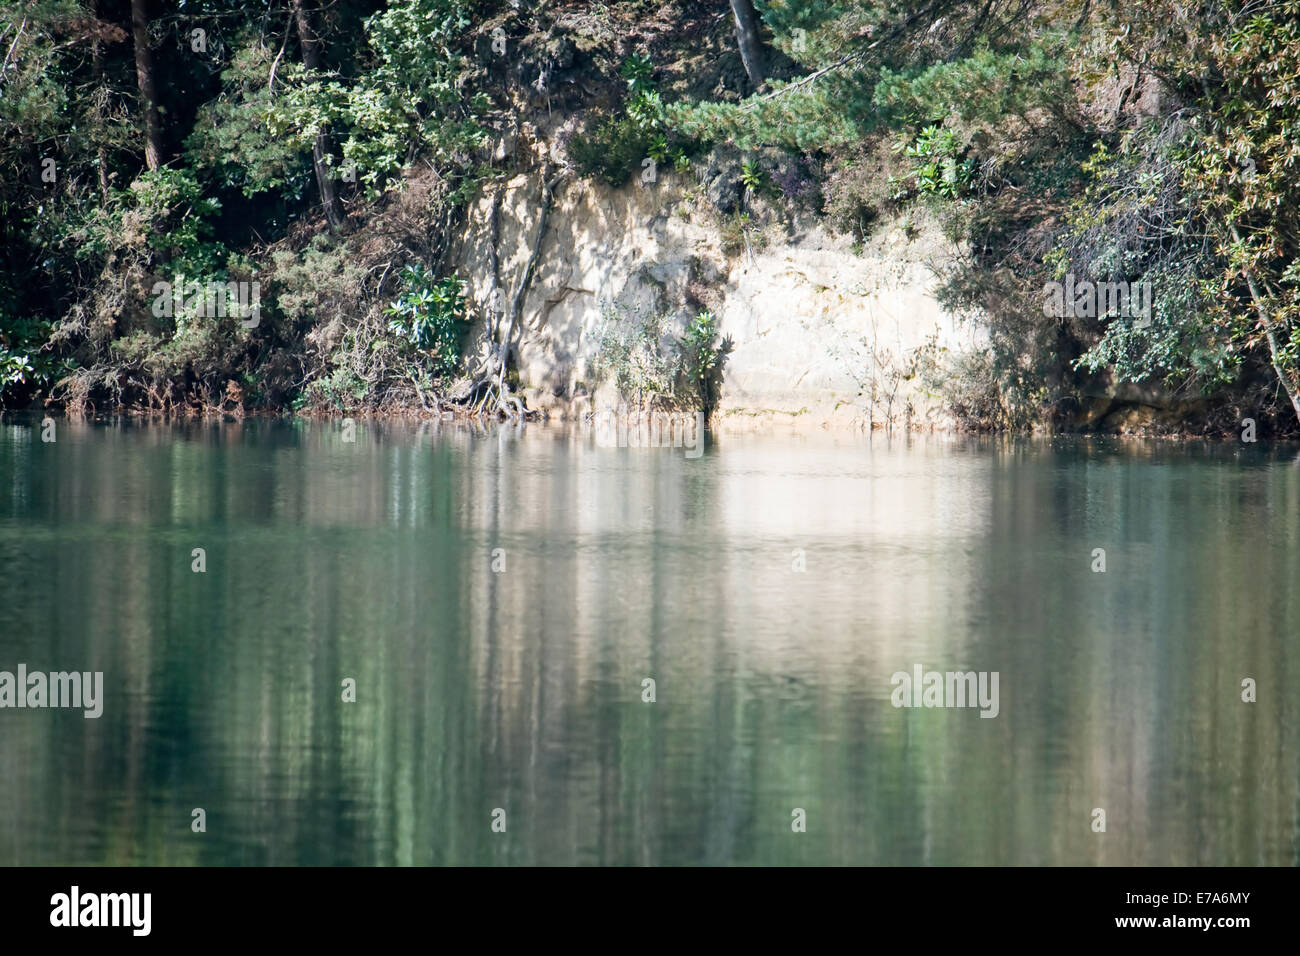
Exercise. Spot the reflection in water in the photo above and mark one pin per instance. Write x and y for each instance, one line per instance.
(522, 689)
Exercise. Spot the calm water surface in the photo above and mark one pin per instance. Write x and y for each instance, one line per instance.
(522, 690)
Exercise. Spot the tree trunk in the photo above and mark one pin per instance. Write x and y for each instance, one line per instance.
(148, 89)
(1287, 385)
(97, 62)
(517, 300)
(311, 57)
(751, 48)
(1274, 351)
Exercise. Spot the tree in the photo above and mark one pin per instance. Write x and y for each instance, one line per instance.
(751, 47)
(312, 58)
(1222, 196)
(144, 75)
(1243, 172)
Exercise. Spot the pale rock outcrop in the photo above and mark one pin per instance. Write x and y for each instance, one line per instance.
(812, 322)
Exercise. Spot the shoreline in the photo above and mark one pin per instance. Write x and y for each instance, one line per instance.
(732, 423)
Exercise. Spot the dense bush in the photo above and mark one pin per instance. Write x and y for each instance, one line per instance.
(430, 317)
(619, 146)
(1112, 141)
(650, 366)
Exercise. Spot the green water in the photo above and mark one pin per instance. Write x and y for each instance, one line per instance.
(522, 688)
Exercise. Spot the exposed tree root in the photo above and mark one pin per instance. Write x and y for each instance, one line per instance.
(487, 393)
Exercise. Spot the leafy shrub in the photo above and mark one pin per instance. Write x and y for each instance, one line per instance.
(430, 316)
(14, 368)
(739, 233)
(23, 365)
(702, 357)
(612, 151)
(341, 390)
(634, 355)
(165, 212)
(938, 167)
(237, 137)
(618, 145)
(639, 73)
(647, 363)
(417, 95)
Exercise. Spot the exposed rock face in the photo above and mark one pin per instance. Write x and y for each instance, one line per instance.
(812, 323)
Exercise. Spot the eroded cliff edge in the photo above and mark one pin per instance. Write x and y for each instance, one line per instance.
(818, 331)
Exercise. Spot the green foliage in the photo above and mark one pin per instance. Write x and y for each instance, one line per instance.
(1133, 223)
(34, 95)
(612, 151)
(646, 363)
(739, 233)
(322, 283)
(15, 368)
(24, 364)
(617, 146)
(986, 88)
(238, 124)
(893, 63)
(701, 357)
(376, 357)
(1201, 201)
(47, 110)
(430, 316)
(1177, 345)
(341, 390)
(1239, 173)
(417, 95)
(1194, 206)
(639, 73)
(752, 175)
(165, 211)
(240, 138)
(806, 118)
(635, 354)
(938, 167)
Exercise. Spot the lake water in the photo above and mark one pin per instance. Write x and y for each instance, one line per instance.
(500, 597)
